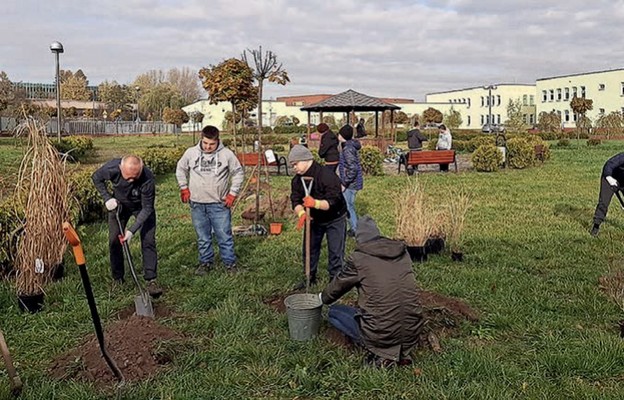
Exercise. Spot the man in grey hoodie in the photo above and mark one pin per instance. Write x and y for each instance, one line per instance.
(204, 173)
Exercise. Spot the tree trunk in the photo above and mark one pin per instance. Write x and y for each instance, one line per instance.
(258, 166)
(234, 127)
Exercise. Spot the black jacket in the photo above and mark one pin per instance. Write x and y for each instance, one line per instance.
(615, 167)
(415, 139)
(326, 186)
(133, 196)
(328, 148)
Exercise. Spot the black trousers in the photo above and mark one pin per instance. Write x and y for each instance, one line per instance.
(336, 232)
(604, 199)
(148, 244)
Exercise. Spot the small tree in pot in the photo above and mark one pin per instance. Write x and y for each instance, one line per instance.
(413, 222)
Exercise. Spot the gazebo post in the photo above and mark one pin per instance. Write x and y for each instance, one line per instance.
(376, 123)
(392, 130)
(308, 135)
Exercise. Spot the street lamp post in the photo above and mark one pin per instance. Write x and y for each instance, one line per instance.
(138, 89)
(57, 48)
(501, 140)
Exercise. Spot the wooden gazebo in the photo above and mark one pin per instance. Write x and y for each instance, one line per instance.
(350, 102)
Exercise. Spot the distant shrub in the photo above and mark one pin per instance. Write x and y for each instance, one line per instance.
(77, 148)
(520, 153)
(431, 144)
(563, 142)
(593, 141)
(371, 159)
(401, 135)
(278, 148)
(477, 141)
(487, 158)
(290, 130)
(87, 205)
(460, 145)
(535, 140)
(163, 159)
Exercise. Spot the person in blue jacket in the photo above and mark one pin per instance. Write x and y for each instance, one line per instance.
(350, 172)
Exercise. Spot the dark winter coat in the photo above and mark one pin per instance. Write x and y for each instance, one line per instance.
(415, 139)
(390, 316)
(137, 195)
(615, 167)
(325, 186)
(349, 168)
(328, 148)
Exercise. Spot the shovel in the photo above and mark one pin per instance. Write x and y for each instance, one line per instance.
(307, 188)
(619, 197)
(16, 382)
(142, 302)
(74, 240)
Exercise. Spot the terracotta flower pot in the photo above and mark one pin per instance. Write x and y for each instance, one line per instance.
(275, 228)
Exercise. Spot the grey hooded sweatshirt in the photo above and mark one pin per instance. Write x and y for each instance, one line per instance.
(207, 175)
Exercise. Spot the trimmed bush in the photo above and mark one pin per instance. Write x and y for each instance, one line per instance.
(162, 159)
(520, 153)
(460, 145)
(535, 140)
(290, 130)
(487, 158)
(563, 143)
(593, 142)
(431, 144)
(401, 135)
(77, 148)
(278, 148)
(371, 159)
(88, 205)
(481, 140)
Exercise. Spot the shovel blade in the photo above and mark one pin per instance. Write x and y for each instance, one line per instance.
(143, 306)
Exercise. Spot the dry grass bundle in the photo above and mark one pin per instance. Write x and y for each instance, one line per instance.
(43, 190)
(613, 286)
(413, 220)
(459, 203)
(439, 222)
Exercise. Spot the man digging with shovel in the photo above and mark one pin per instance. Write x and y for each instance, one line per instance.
(134, 189)
(318, 189)
(610, 182)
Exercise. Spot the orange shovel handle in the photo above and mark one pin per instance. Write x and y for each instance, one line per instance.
(74, 241)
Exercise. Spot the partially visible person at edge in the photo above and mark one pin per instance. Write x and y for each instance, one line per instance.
(388, 317)
(204, 173)
(445, 142)
(327, 210)
(328, 147)
(610, 180)
(360, 129)
(350, 172)
(134, 191)
(415, 138)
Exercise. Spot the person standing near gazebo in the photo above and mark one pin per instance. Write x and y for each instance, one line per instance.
(328, 147)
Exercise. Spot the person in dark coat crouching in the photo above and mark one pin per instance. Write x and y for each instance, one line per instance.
(388, 318)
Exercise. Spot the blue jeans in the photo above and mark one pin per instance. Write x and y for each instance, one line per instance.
(343, 318)
(209, 218)
(349, 196)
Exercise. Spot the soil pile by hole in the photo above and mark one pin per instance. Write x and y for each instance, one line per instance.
(136, 344)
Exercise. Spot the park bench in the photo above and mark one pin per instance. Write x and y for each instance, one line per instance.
(269, 158)
(422, 157)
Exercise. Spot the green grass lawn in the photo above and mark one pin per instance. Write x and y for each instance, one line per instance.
(531, 269)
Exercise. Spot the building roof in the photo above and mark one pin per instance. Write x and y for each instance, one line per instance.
(582, 73)
(480, 87)
(351, 101)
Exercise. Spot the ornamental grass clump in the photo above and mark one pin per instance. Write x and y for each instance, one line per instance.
(413, 222)
(457, 208)
(612, 286)
(43, 193)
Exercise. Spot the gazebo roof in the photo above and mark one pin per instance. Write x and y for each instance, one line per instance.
(350, 101)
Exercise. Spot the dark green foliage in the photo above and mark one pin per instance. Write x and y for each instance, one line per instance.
(77, 148)
(371, 160)
(460, 145)
(316, 156)
(477, 141)
(593, 142)
(431, 144)
(520, 153)
(535, 140)
(487, 158)
(401, 135)
(563, 143)
(161, 160)
(11, 219)
(87, 203)
(290, 130)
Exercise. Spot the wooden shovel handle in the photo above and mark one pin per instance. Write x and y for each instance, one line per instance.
(74, 241)
(16, 382)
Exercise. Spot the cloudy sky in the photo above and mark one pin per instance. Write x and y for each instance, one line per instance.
(386, 48)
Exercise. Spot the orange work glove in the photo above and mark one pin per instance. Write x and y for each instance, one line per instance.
(229, 200)
(302, 219)
(185, 195)
(309, 202)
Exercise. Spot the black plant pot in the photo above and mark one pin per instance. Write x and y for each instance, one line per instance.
(30, 302)
(459, 257)
(621, 324)
(434, 245)
(59, 272)
(417, 253)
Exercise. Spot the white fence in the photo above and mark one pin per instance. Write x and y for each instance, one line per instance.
(93, 127)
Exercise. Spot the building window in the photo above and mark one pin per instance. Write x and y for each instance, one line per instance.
(531, 118)
(621, 88)
(531, 100)
(545, 96)
(601, 110)
(574, 117)
(566, 117)
(498, 118)
(524, 117)
(583, 91)
(524, 100)
(566, 95)
(551, 93)
(574, 92)
(482, 101)
(482, 119)
(601, 86)
(469, 102)
(468, 120)
(498, 100)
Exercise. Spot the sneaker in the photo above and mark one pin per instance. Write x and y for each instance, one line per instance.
(154, 289)
(203, 269)
(302, 285)
(594, 230)
(351, 233)
(231, 269)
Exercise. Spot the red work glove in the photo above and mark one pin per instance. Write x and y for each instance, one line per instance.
(309, 202)
(229, 200)
(302, 219)
(185, 195)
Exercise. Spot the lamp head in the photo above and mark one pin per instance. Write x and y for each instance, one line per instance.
(56, 47)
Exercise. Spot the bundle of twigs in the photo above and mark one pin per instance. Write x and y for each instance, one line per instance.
(413, 222)
(43, 191)
(459, 203)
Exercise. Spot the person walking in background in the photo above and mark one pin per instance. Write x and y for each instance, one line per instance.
(134, 191)
(204, 173)
(388, 318)
(610, 180)
(350, 172)
(328, 147)
(415, 138)
(327, 211)
(445, 142)
(360, 129)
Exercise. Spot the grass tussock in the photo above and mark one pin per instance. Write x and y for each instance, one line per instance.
(413, 219)
(459, 203)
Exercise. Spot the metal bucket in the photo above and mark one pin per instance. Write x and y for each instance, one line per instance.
(304, 315)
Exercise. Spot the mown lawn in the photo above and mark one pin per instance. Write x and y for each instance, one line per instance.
(531, 269)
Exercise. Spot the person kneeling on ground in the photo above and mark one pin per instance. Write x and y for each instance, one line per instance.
(388, 319)
(610, 180)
